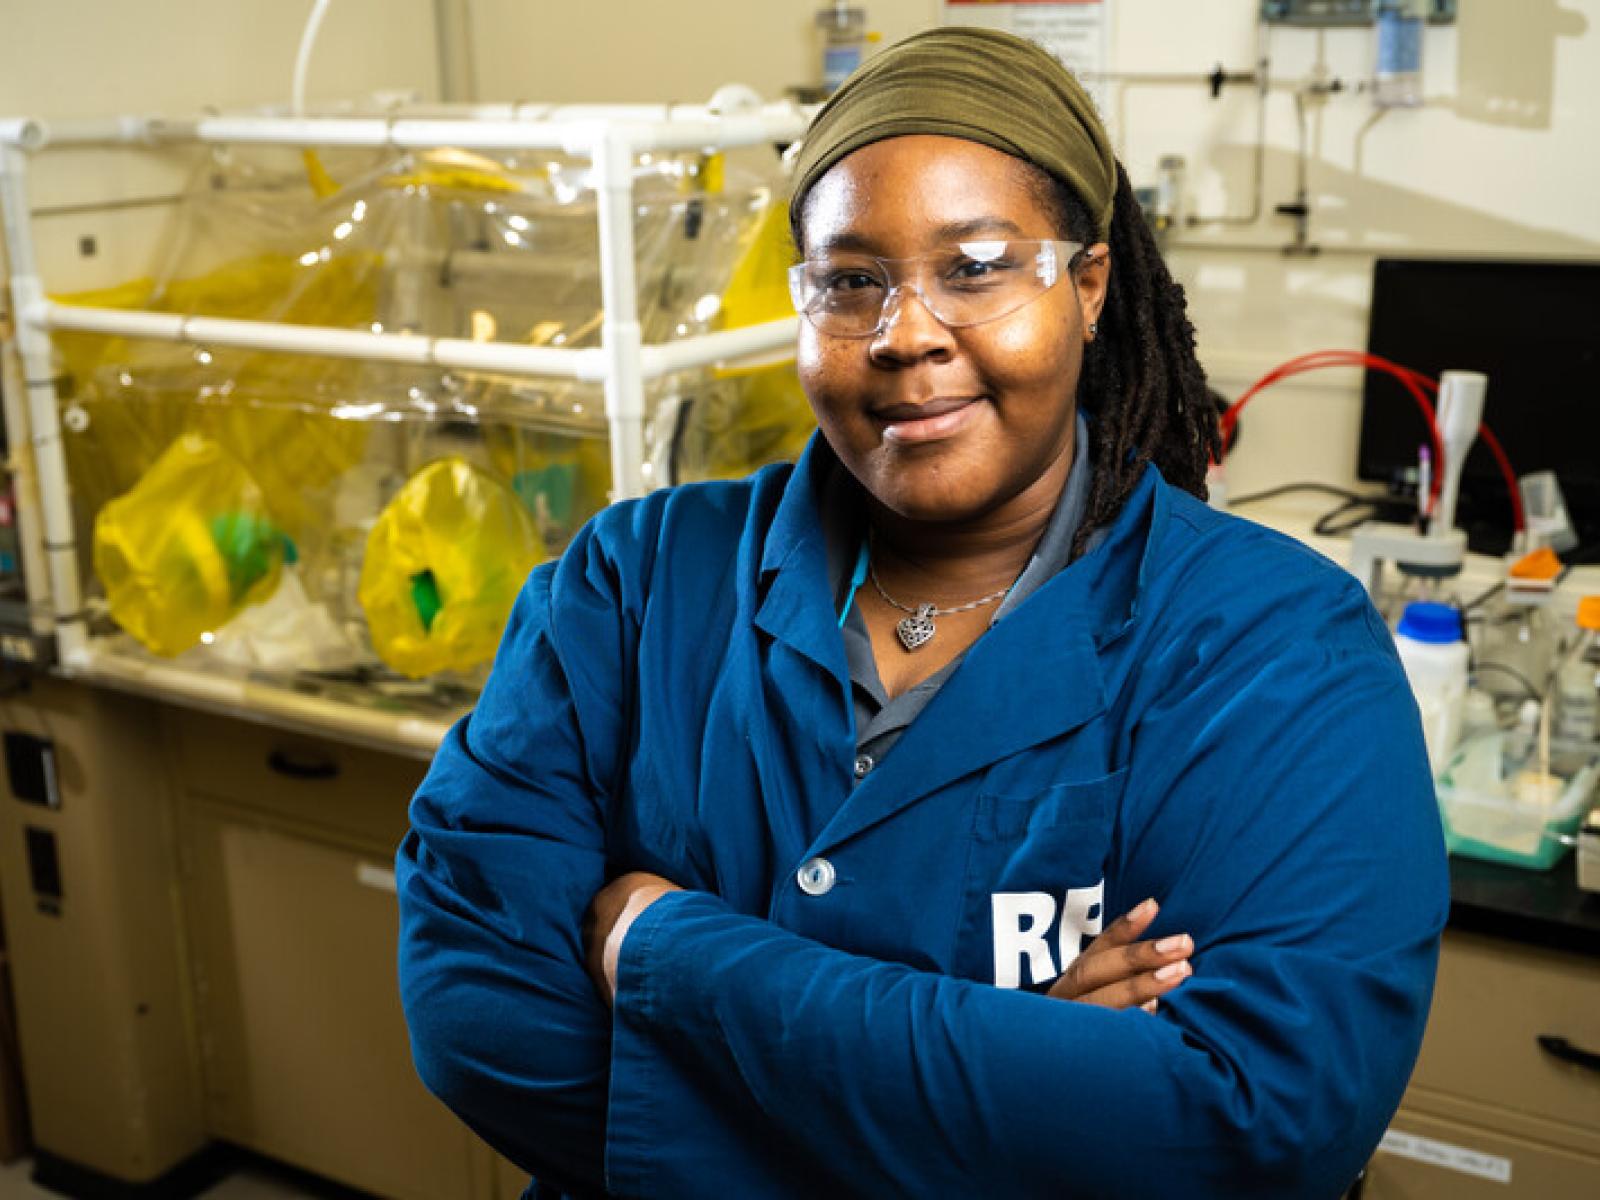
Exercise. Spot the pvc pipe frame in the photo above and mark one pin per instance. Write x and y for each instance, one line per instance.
(33, 349)
(580, 130)
(610, 136)
(507, 358)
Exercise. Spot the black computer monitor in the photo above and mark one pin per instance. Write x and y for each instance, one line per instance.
(1534, 329)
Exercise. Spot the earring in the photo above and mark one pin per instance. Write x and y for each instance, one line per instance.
(1094, 328)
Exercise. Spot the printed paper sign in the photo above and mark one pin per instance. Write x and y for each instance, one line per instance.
(1076, 32)
(1443, 1154)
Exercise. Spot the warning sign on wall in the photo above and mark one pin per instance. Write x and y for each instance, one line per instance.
(1075, 31)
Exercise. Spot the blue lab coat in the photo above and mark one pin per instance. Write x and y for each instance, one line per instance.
(847, 1000)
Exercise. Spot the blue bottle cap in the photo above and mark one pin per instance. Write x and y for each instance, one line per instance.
(1425, 621)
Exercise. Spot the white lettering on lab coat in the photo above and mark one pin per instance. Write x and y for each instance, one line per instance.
(1022, 922)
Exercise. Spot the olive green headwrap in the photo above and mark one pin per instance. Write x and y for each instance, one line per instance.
(979, 84)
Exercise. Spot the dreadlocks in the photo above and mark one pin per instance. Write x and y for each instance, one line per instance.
(1141, 381)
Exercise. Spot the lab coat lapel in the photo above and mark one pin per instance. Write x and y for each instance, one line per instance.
(803, 734)
(1033, 677)
(793, 591)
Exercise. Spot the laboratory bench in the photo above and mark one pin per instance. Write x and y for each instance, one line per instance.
(1532, 908)
(201, 924)
(1505, 1099)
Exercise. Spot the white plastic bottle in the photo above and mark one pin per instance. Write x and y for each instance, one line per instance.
(1397, 79)
(1577, 697)
(842, 29)
(1435, 658)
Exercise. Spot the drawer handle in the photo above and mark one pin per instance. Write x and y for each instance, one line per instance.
(302, 768)
(1567, 1052)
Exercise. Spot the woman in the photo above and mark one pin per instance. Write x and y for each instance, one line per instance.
(823, 780)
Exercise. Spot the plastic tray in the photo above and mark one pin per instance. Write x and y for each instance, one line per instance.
(1484, 824)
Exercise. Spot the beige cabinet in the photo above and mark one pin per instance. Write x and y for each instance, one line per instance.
(1490, 1112)
(287, 851)
(94, 938)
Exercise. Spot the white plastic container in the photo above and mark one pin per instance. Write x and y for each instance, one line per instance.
(1397, 81)
(1436, 660)
(1578, 680)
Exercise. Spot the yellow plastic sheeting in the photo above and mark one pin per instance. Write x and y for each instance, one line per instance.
(741, 422)
(752, 415)
(443, 566)
(758, 289)
(564, 480)
(188, 548)
(308, 289)
(293, 455)
(136, 397)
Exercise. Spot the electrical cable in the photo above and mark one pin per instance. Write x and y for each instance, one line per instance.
(1365, 510)
(1340, 358)
(1484, 597)
(1286, 488)
(1532, 691)
(1415, 382)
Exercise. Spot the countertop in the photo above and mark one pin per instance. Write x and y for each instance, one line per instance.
(1543, 908)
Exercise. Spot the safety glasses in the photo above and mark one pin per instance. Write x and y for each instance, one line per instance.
(966, 283)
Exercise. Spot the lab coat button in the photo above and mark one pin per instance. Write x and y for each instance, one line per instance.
(864, 764)
(816, 876)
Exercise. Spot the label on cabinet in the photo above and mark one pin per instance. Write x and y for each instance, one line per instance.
(1443, 1154)
(371, 876)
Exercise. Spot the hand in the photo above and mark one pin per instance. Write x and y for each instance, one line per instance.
(611, 914)
(1119, 971)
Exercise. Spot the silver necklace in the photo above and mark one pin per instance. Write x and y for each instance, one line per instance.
(917, 630)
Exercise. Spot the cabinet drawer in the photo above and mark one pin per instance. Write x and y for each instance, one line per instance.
(342, 788)
(304, 1045)
(1493, 1001)
(1435, 1159)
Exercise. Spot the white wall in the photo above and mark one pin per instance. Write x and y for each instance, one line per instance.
(659, 49)
(1500, 161)
(77, 59)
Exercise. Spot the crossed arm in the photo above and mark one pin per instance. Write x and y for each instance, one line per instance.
(1118, 970)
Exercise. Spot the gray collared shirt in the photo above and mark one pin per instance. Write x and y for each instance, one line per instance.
(880, 719)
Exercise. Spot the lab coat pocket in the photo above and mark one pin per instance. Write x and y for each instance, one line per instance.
(1035, 880)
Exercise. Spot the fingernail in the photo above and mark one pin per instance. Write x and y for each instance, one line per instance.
(1143, 909)
(1173, 944)
(1175, 970)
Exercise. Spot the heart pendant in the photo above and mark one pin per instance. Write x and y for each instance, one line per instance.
(917, 630)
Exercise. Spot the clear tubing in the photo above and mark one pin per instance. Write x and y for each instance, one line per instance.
(302, 58)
